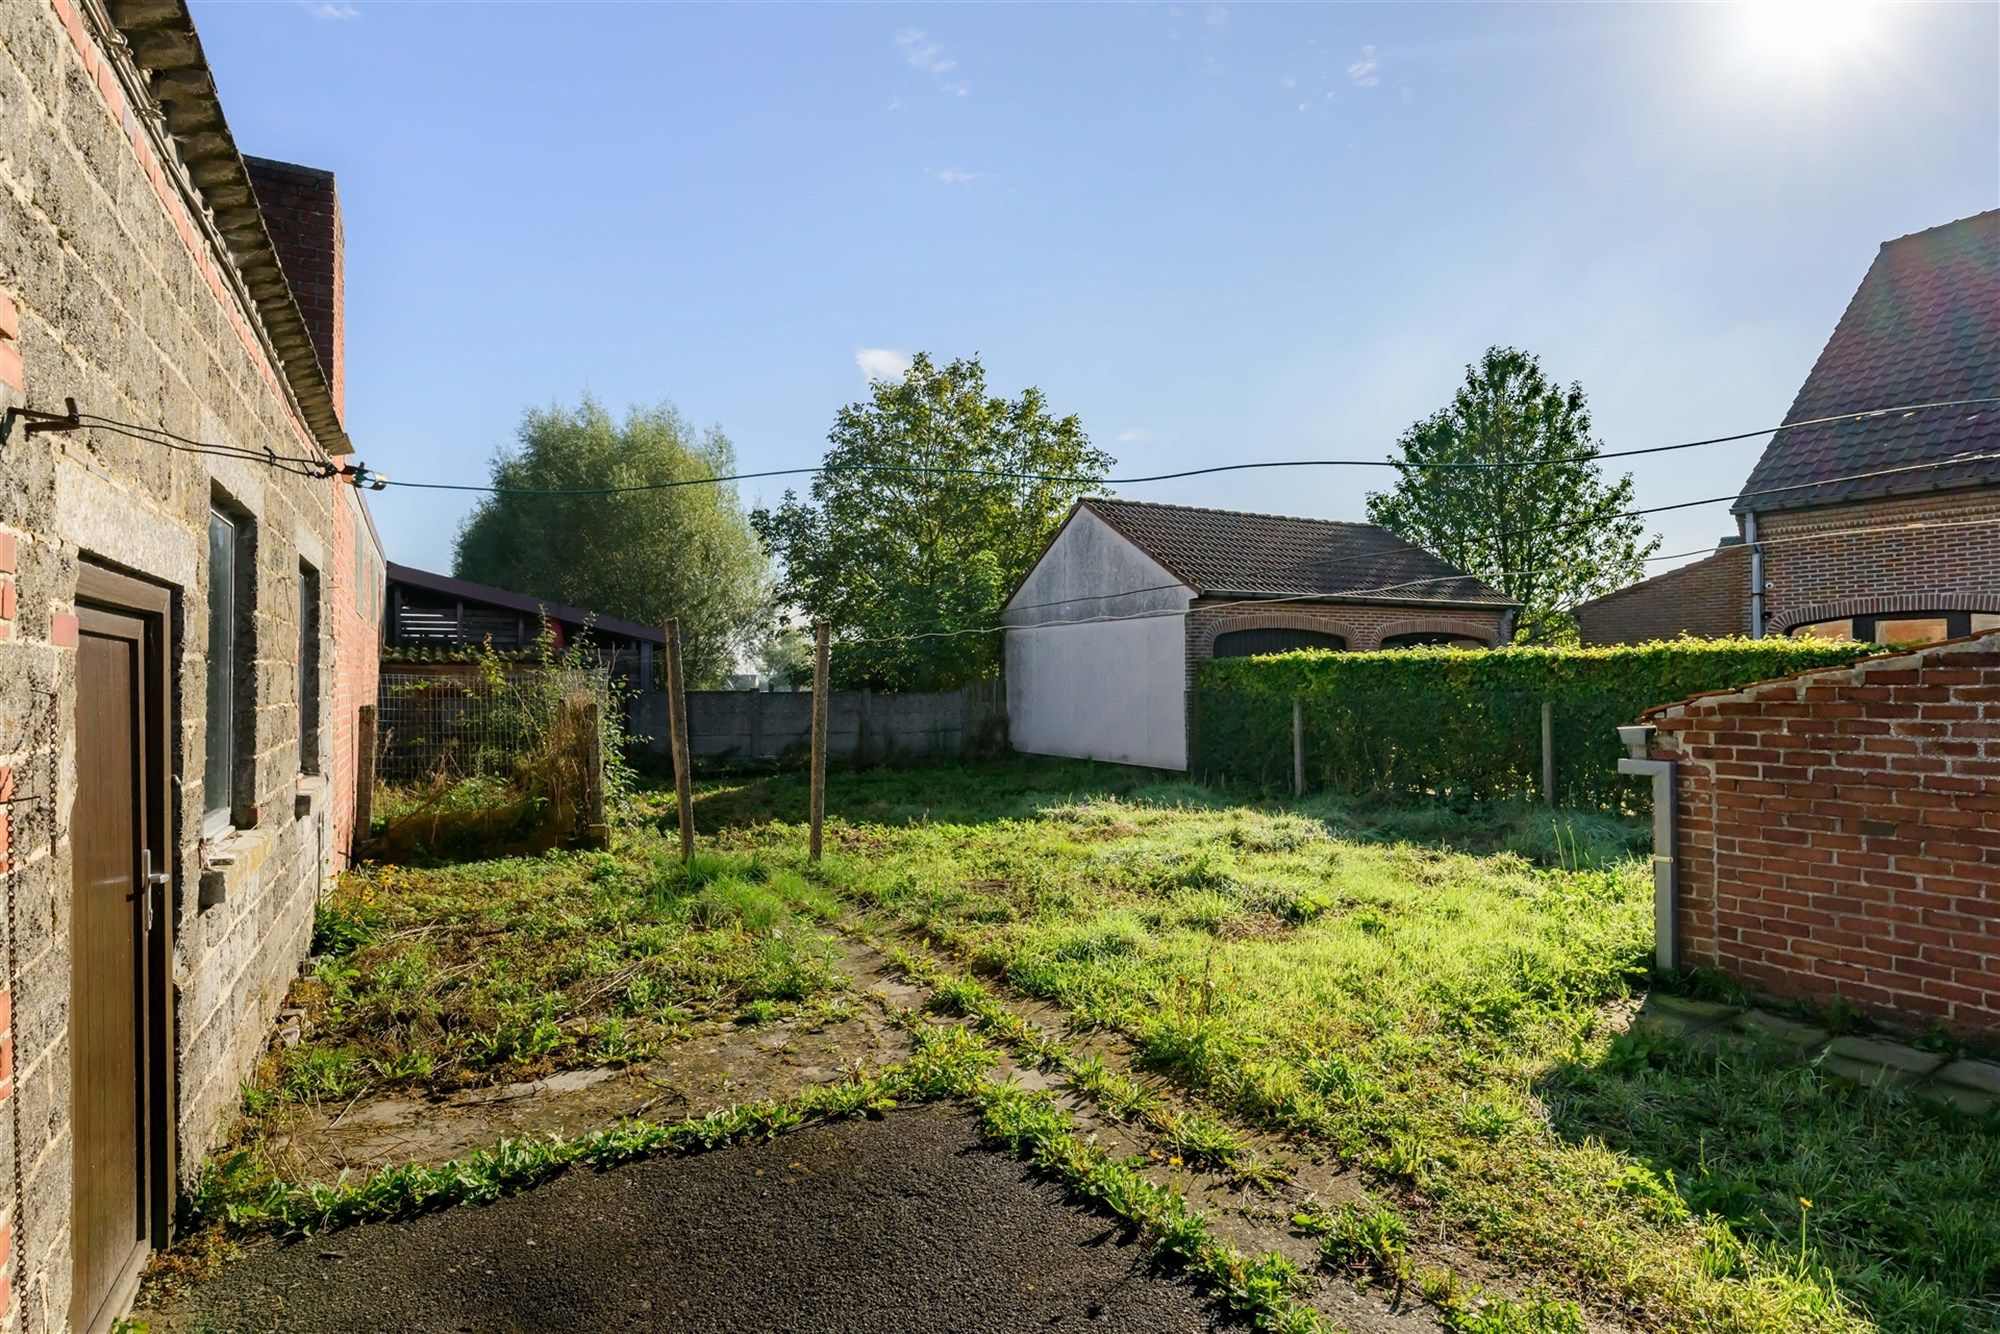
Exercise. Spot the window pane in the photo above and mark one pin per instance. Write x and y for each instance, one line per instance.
(220, 759)
(1985, 620)
(309, 757)
(1916, 630)
(1825, 630)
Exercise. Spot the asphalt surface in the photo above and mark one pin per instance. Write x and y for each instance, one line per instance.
(907, 1223)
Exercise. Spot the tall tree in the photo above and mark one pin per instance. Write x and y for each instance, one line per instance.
(1549, 535)
(645, 555)
(921, 546)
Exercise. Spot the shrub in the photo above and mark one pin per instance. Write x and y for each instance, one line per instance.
(1466, 723)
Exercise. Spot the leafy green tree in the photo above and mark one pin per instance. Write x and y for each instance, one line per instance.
(685, 551)
(915, 549)
(1548, 536)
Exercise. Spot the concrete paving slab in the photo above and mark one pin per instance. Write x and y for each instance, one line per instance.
(1875, 1062)
(1798, 1037)
(1971, 1086)
(1680, 1016)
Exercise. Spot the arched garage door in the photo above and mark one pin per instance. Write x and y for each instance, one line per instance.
(1276, 639)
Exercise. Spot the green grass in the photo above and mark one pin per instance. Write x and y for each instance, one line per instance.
(1426, 994)
(450, 975)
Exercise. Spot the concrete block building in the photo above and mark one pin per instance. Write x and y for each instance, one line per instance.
(1883, 528)
(1105, 633)
(190, 600)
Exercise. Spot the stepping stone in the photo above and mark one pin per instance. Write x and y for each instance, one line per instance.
(1971, 1086)
(1790, 1034)
(1881, 1064)
(1678, 1016)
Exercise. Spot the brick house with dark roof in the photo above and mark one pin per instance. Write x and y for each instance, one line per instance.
(1105, 632)
(1908, 554)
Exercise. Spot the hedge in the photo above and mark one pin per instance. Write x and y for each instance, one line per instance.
(1466, 723)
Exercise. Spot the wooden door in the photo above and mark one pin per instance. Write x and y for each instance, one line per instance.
(117, 1098)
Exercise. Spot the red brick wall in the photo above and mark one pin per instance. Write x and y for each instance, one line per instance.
(1363, 627)
(301, 209)
(1709, 599)
(1839, 834)
(1949, 563)
(358, 579)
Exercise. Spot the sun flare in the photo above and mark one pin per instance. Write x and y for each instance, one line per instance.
(1806, 38)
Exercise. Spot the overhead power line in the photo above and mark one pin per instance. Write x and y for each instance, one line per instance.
(1001, 474)
(1378, 590)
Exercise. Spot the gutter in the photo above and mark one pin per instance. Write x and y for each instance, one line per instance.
(1638, 740)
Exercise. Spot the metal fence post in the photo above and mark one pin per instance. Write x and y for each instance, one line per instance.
(818, 816)
(677, 723)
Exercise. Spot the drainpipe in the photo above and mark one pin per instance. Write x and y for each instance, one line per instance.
(1638, 741)
(1756, 575)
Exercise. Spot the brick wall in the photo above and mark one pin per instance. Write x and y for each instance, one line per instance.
(1709, 599)
(1363, 627)
(124, 293)
(301, 209)
(356, 597)
(1950, 563)
(1839, 834)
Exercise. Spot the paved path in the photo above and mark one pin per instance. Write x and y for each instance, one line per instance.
(908, 1223)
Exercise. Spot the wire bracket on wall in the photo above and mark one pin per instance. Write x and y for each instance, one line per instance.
(34, 422)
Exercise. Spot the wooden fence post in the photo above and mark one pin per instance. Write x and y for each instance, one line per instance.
(677, 724)
(1298, 747)
(596, 829)
(820, 635)
(364, 781)
(1549, 754)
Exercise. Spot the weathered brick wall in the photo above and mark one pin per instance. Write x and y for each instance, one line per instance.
(1363, 627)
(1914, 553)
(301, 209)
(1839, 834)
(122, 295)
(1709, 599)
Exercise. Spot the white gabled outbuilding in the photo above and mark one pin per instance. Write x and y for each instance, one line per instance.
(1105, 632)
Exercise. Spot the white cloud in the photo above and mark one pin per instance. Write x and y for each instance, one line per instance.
(330, 11)
(952, 175)
(881, 363)
(1288, 81)
(924, 53)
(1363, 70)
(1216, 17)
(1132, 435)
(955, 89)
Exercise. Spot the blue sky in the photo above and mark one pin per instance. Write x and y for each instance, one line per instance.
(1217, 233)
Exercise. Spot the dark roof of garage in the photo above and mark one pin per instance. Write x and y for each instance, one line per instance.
(1233, 553)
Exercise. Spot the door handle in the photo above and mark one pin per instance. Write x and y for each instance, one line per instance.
(151, 880)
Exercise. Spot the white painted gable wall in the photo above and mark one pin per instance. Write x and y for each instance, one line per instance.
(1111, 690)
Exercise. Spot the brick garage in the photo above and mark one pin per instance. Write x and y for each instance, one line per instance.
(1838, 835)
(138, 276)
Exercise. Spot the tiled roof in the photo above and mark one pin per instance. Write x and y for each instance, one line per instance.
(1230, 552)
(1923, 327)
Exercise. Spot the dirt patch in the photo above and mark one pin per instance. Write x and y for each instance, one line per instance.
(718, 1064)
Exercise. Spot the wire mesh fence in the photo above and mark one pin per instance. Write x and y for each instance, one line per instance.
(449, 726)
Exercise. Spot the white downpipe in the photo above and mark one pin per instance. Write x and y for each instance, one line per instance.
(1666, 890)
